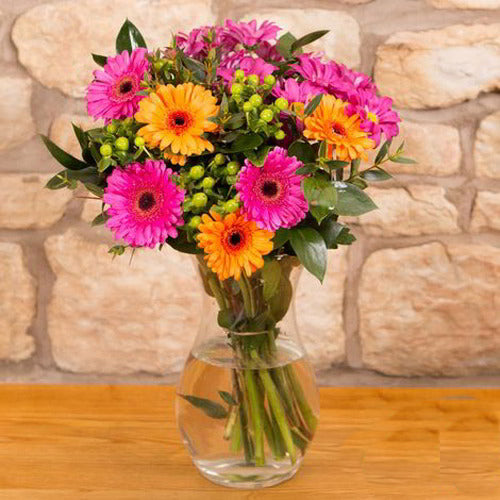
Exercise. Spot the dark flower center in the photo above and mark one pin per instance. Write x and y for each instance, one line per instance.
(179, 121)
(147, 201)
(126, 87)
(235, 239)
(338, 128)
(269, 189)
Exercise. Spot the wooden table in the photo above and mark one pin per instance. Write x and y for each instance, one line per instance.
(120, 442)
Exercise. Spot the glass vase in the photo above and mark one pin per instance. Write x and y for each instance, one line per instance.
(247, 404)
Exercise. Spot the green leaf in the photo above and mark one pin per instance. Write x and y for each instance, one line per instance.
(280, 301)
(97, 190)
(352, 200)
(117, 250)
(129, 38)
(210, 408)
(100, 60)
(307, 39)
(307, 169)
(236, 121)
(225, 319)
(402, 159)
(228, 398)
(258, 157)
(330, 230)
(181, 244)
(104, 163)
(281, 236)
(345, 237)
(313, 104)
(285, 43)
(196, 67)
(382, 152)
(303, 151)
(66, 177)
(321, 196)
(376, 175)
(65, 159)
(271, 275)
(245, 142)
(336, 164)
(311, 250)
(100, 219)
(81, 136)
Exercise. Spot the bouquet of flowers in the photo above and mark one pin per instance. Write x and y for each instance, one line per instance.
(238, 147)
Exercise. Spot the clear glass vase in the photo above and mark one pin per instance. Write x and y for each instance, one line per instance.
(247, 404)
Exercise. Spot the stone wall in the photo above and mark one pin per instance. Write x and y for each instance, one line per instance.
(414, 301)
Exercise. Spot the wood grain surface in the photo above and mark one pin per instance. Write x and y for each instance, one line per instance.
(120, 442)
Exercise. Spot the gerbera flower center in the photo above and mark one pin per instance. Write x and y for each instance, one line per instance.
(147, 201)
(179, 121)
(235, 239)
(338, 128)
(372, 117)
(269, 189)
(125, 88)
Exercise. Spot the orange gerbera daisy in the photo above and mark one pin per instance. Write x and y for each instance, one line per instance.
(232, 244)
(175, 159)
(330, 123)
(177, 117)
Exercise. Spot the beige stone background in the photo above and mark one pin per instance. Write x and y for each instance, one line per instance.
(416, 301)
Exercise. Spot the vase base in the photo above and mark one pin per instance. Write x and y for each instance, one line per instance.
(237, 474)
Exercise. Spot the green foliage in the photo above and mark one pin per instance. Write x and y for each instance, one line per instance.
(321, 196)
(285, 43)
(100, 60)
(303, 151)
(307, 39)
(129, 38)
(313, 104)
(352, 200)
(271, 275)
(207, 406)
(311, 250)
(228, 398)
(65, 159)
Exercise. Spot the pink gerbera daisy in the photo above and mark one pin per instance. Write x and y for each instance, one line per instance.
(114, 92)
(144, 204)
(272, 194)
(376, 113)
(250, 65)
(250, 33)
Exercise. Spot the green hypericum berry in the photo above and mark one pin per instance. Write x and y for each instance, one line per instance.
(256, 100)
(239, 75)
(247, 107)
(253, 80)
(208, 183)
(111, 128)
(199, 200)
(236, 88)
(196, 172)
(194, 222)
(220, 159)
(139, 142)
(122, 143)
(232, 168)
(270, 80)
(267, 115)
(232, 179)
(158, 65)
(231, 206)
(279, 135)
(281, 103)
(106, 150)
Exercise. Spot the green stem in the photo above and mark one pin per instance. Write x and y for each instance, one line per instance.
(245, 438)
(305, 409)
(256, 414)
(231, 420)
(236, 441)
(219, 297)
(279, 413)
(248, 298)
